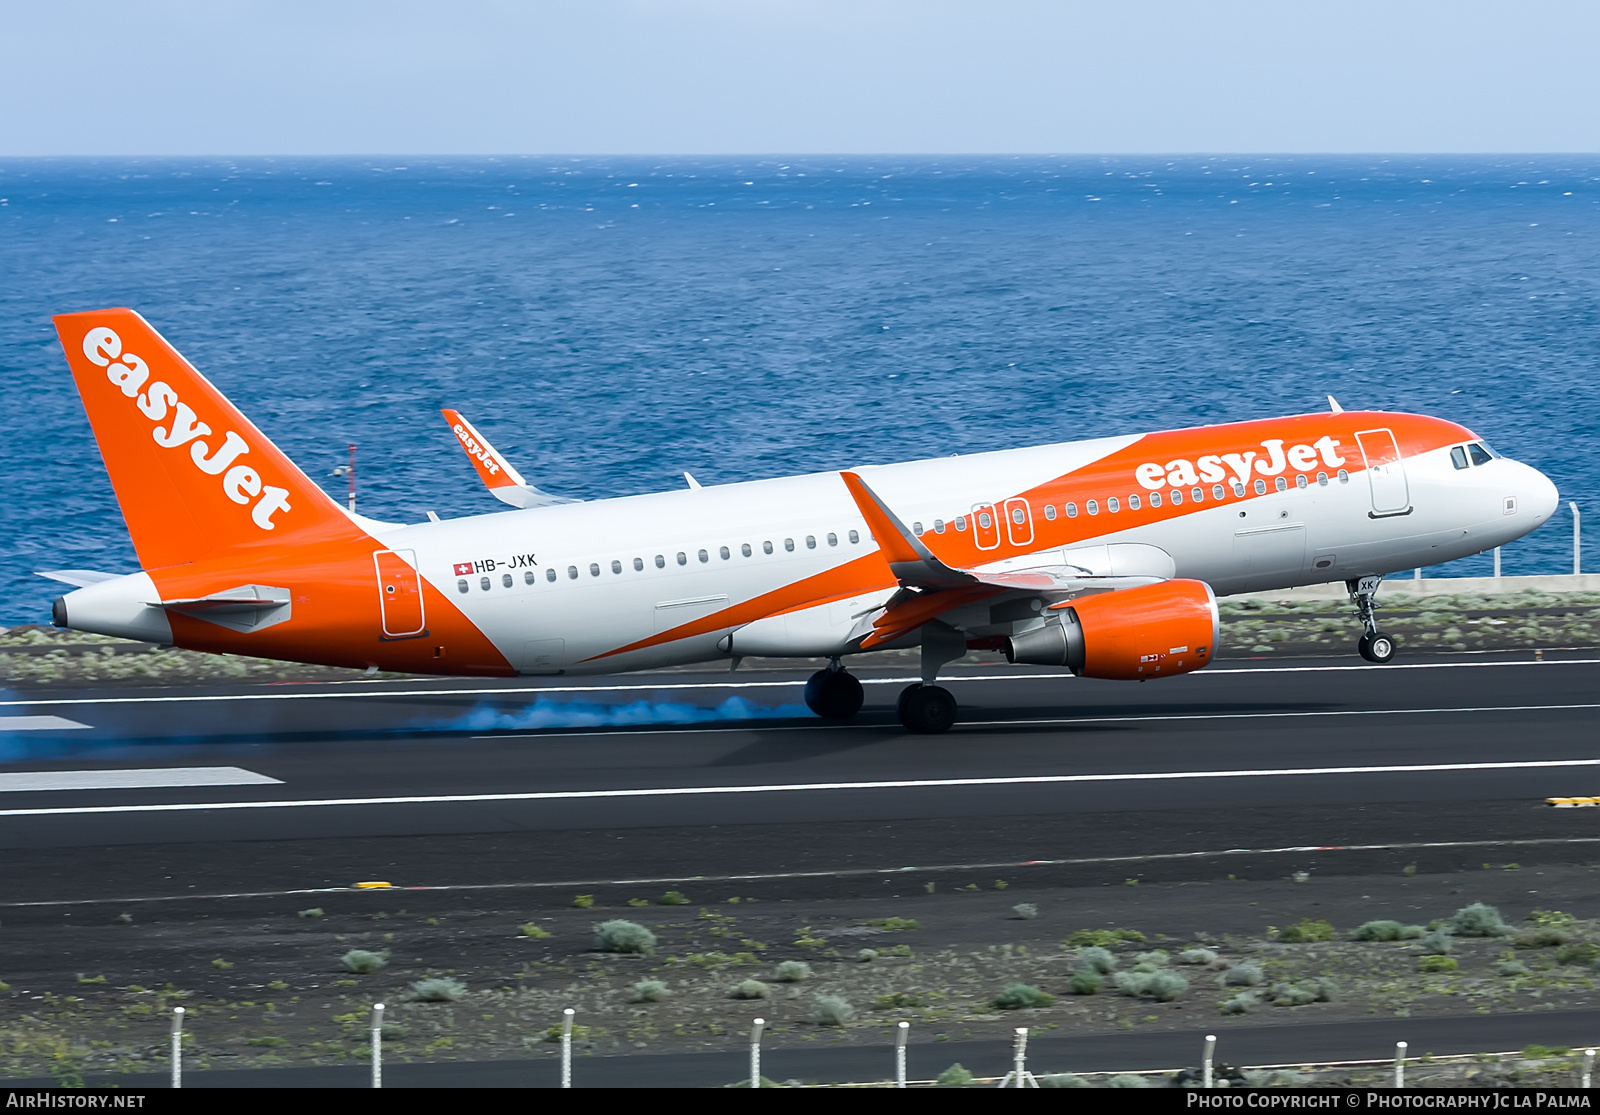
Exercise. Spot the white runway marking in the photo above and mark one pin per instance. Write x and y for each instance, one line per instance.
(811, 787)
(787, 683)
(37, 724)
(28, 781)
(1138, 718)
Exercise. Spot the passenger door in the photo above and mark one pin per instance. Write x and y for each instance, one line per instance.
(1386, 472)
(399, 594)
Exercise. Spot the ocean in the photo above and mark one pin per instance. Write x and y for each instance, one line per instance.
(609, 323)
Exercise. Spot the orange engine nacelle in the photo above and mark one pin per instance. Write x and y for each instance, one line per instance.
(1133, 634)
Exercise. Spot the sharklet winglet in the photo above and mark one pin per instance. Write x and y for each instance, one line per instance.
(910, 561)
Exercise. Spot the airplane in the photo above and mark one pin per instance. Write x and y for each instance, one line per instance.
(1103, 556)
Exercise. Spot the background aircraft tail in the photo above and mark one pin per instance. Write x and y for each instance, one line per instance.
(194, 477)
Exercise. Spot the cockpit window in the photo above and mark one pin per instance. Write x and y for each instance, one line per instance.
(1480, 453)
(1458, 456)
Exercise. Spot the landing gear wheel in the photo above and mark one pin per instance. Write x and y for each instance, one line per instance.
(927, 709)
(1377, 647)
(833, 694)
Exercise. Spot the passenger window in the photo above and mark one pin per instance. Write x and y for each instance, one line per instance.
(638, 565)
(1199, 495)
(1112, 505)
(1133, 503)
(766, 547)
(1480, 455)
(594, 569)
(1261, 487)
(550, 574)
(483, 583)
(855, 538)
(1216, 491)
(1281, 484)
(616, 567)
(1238, 488)
(1177, 496)
(661, 562)
(1300, 481)
(984, 521)
(683, 558)
(1155, 499)
(505, 579)
(1050, 512)
(961, 522)
(1072, 510)
(833, 539)
(461, 586)
(1458, 456)
(811, 542)
(1018, 516)
(938, 526)
(1344, 477)
(745, 549)
(916, 529)
(788, 544)
(725, 554)
(1093, 507)
(572, 572)
(1322, 479)
(704, 557)
(527, 578)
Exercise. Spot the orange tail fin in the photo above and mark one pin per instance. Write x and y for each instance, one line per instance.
(194, 477)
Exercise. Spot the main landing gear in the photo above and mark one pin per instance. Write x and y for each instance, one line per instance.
(833, 694)
(926, 709)
(1375, 646)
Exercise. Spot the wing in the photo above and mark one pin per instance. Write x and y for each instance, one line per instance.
(929, 588)
(504, 482)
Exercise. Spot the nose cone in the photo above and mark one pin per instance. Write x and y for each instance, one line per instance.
(1538, 495)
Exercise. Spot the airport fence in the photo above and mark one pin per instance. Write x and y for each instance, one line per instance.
(1019, 1075)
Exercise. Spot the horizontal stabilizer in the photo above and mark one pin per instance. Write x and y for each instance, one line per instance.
(81, 578)
(504, 482)
(246, 608)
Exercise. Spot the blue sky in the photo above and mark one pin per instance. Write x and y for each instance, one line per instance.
(796, 76)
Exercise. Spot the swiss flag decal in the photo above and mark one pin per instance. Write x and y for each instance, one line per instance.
(463, 568)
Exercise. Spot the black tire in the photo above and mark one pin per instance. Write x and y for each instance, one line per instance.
(1364, 647)
(900, 704)
(833, 695)
(1380, 648)
(927, 709)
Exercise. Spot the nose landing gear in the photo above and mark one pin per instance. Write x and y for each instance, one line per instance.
(833, 694)
(1375, 646)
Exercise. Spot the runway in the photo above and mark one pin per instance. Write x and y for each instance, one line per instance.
(304, 782)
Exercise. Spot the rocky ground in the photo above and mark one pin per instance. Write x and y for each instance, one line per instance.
(1253, 627)
(267, 981)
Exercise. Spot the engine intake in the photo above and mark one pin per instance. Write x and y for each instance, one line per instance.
(1129, 635)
